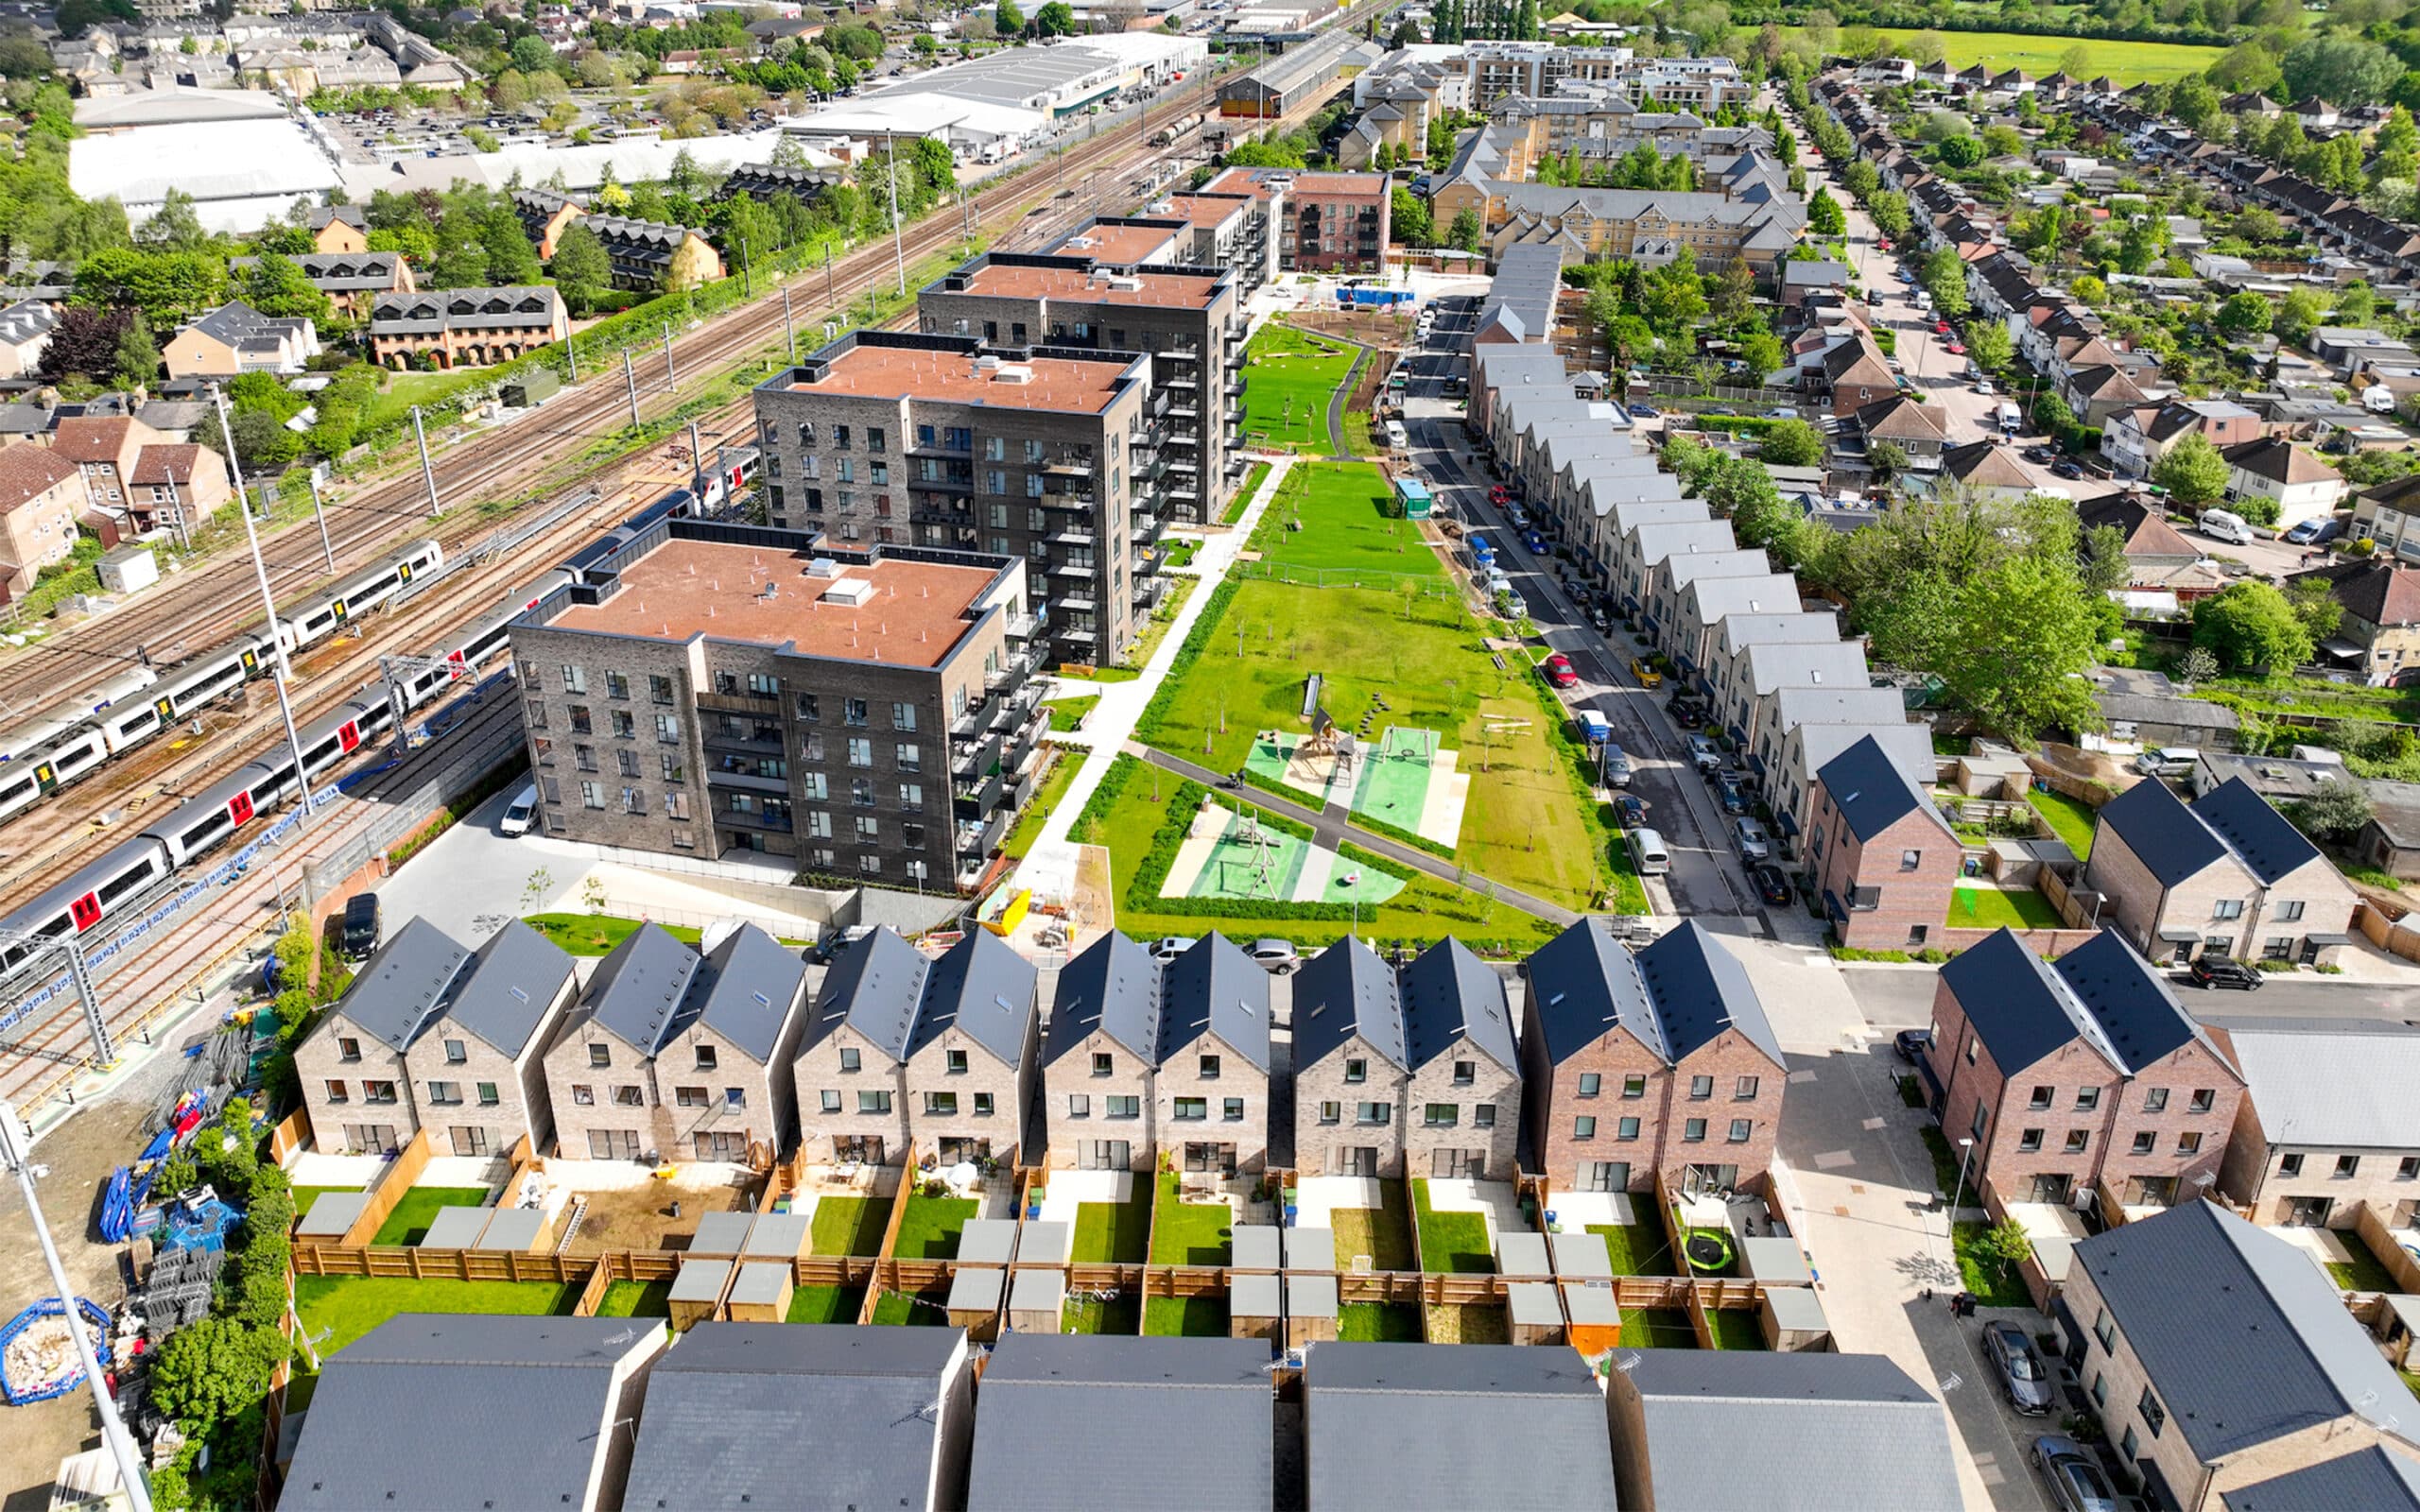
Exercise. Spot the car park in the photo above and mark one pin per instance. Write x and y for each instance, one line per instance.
(2223, 970)
(1772, 884)
(1275, 956)
(2023, 1380)
(1754, 843)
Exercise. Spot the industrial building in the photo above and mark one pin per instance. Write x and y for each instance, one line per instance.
(1287, 83)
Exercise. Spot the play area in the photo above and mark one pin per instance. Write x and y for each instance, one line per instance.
(1228, 854)
(1403, 779)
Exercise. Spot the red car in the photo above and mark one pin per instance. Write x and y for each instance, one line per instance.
(1955, 350)
(1941, 328)
(1498, 493)
(1560, 671)
(1884, 244)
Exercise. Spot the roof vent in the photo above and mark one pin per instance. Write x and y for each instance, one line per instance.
(989, 362)
(1014, 372)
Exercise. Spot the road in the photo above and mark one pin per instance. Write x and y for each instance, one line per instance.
(1895, 998)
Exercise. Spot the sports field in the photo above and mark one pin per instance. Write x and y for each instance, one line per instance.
(1337, 515)
(1232, 856)
(2125, 62)
(1290, 375)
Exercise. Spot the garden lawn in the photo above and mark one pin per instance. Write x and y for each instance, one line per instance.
(1529, 825)
(1290, 376)
(595, 934)
(1031, 819)
(1993, 1284)
(928, 1310)
(824, 1304)
(1377, 1322)
(304, 1196)
(1383, 1234)
(2362, 1273)
(346, 1307)
(1636, 1248)
(1088, 1315)
(409, 1222)
(1347, 521)
(636, 1299)
(1453, 1242)
(1735, 1329)
(1190, 1233)
(1993, 907)
(1066, 714)
(1242, 501)
(930, 1226)
(1657, 1327)
(2126, 62)
(2071, 818)
(849, 1226)
(1204, 1317)
(1114, 1233)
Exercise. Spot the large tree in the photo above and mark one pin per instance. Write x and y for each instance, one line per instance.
(276, 287)
(2340, 68)
(510, 259)
(1791, 443)
(2251, 625)
(2192, 472)
(1825, 215)
(1409, 221)
(581, 267)
(86, 341)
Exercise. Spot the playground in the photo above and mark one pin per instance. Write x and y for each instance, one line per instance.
(1404, 779)
(1232, 855)
(1290, 375)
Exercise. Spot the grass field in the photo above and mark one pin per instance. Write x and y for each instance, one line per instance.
(2127, 63)
(1202, 1317)
(1290, 376)
(824, 1304)
(1242, 501)
(849, 1226)
(343, 1308)
(1190, 1233)
(409, 1222)
(1069, 714)
(636, 1299)
(930, 1226)
(1377, 1322)
(1031, 819)
(1994, 907)
(1450, 1241)
(1114, 1233)
(2071, 818)
(1383, 1234)
(1335, 515)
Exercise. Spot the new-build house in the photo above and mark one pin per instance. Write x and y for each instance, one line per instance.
(674, 1056)
(1212, 1086)
(1404, 1073)
(1389, 1426)
(2329, 1125)
(1885, 862)
(1097, 1067)
(1658, 1061)
(2218, 1357)
(905, 1048)
(2224, 875)
(1172, 1421)
(2078, 1076)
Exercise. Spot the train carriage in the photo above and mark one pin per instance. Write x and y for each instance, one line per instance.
(101, 890)
(211, 817)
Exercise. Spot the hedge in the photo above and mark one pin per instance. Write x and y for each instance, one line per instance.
(1146, 729)
(1735, 424)
(1357, 819)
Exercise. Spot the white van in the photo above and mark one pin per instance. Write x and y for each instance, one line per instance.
(1647, 852)
(1397, 438)
(2166, 760)
(2221, 526)
(520, 811)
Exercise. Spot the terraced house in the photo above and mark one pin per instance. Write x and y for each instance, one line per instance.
(2224, 875)
(351, 281)
(466, 328)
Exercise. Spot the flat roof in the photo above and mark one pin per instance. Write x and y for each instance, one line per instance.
(1046, 1243)
(987, 1241)
(683, 588)
(1310, 1295)
(1582, 1254)
(512, 1228)
(456, 1229)
(1254, 1247)
(1534, 1304)
(721, 1233)
(1118, 244)
(333, 1212)
(1068, 384)
(1253, 1296)
(700, 1280)
(978, 1288)
(1310, 1248)
(1166, 290)
(759, 1281)
(1033, 1291)
(1519, 1253)
(1589, 1304)
(1204, 210)
(776, 1236)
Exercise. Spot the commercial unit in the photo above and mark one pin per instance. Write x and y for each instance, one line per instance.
(1051, 455)
(714, 688)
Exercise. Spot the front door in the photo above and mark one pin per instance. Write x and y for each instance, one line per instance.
(1106, 1155)
(1359, 1160)
(724, 1146)
(469, 1139)
(613, 1144)
(1459, 1165)
(2049, 1188)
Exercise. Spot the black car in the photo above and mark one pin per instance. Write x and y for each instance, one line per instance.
(1686, 714)
(362, 934)
(2224, 971)
(1773, 885)
(2064, 469)
(1911, 1044)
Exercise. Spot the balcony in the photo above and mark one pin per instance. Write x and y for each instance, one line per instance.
(1180, 380)
(1021, 627)
(970, 758)
(971, 722)
(1069, 467)
(1148, 528)
(1188, 352)
(1079, 572)
(1077, 606)
(1066, 501)
(1236, 385)
(975, 798)
(1183, 465)
(1185, 438)
(767, 745)
(1010, 675)
(770, 823)
(1185, 410)
(964, 485)
(1075, 537)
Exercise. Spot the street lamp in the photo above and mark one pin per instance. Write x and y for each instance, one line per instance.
(1965, 1148)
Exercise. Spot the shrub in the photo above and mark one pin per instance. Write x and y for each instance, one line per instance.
(1143, 894)
(2266, 965)
(2258, 508)
(1156, 712)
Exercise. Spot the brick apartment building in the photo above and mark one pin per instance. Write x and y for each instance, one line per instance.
(42, 496)
(1660, 1060)
(2077, 1075)
(1327, 222)
(1188, 321)
(1885, 862)
(1051, 455)
(708, 688)
(466, 328)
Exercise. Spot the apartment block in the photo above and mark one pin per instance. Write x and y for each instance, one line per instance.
(1188, 319)
(1052, 455)
(709, 688)
(1325, 222)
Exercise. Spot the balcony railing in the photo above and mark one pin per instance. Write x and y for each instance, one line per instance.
(1021, 627)
(1070, 466)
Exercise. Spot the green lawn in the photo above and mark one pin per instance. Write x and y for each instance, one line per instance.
(405, 389)
(1451, 1241)
(2363, 1272)
(1528, 824)
(1383, 1234)
(1114, 1233)
(1066, 714)
(2126, 62)
(1657, 1327)
(1992, 907)
(346, 1307)
(2071, 818)
(1377, 1322)
(1202, 1317)
(824, 1304)
(1190, 1233)
(1993, 1284)
(926, 1310)
(1636, 1248)
(1242, 501)
(849, 1226)
(418, 1210)
(595, 934)
(1123, 1315)
(1737, 1329)
(1031, 819)
(637, 1299)
(1290, 376)
(1341, 516)
(929, 1228)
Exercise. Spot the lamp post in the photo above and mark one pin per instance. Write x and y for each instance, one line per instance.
(1965, 1149)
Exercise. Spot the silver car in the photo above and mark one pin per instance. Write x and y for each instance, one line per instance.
(1275, 956)
(1754, 843)
(2075, 1482)
(2027, 1385)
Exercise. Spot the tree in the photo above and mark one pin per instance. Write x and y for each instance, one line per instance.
(275, 286)
(511, 260)
(1825, 215)
(212, 1371)
(85, 341)
(1988, 343)
(1944, 279)
(1887, 459)
(2192, 472)
(176, 225)
(1888, 209)
(1057, 19)
(1465, 231)
(1791, 443)
(1408, 221)
(2315, 604)
(1008, 18)
(2333, 814)
(2340, 68)
(2022, 640)
(1674, 300)
(581, 265)
(169, 287)
(137, 356)
(2251, 625)
(1406, 34)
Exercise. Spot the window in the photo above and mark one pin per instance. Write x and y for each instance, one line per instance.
(335, 1092)
(1910, 860)
(1192, 1109)
(2228, 908)
(941, 1105)
(1626, 1129)
(1331, 1112)
(1102, 1063)
(1374, 1114)
(2155, 1416)
(446, 1093)
(1483, 1116)
(2347, 1167)
(455, 1053)
(955, 1062)
(850, 1059)
(983, 1104)
(581, 722)
(2087, 1098)
(1701, 1088)
(2041, 1098)
(2203, 1099)
(1589, 1082)
(1744, 1089)
(2155, 1100)
(591, 795)
(2289, 913)
(1441, 1115)
(2132, 1445)
(1357, 1070)
(575, 679)
(2289, 1164)
(1209, 1068)
(1125, 1107)
(348, 1048)
(1693, 1131)
(1232, 1110)
(2189, 1143)
(377, 1091)
(1740, 1128)
(689, 1096)
(860, 753)
(873, 1102)
(2029, 1141)
(1634, 1087)
(2104, 1330)
(2099, 1389)
(628, 1096)
(1584, 1127)
(1079, 1105)
(668, 729)
(902, 716)
(2078, 1141)
(599, 1055)
(2144, 1140)
(1974, 1048)
(583, 1097)
(2408, 1169)
(659, 690)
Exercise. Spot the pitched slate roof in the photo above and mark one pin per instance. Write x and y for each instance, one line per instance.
(1451, 1000)
(1112, 987)
(2025, 1007)
(753, 1413)
(874, 988)
(982, 987)
(1214, 988)
(512, 978)
(444, 1411)
(1477, 1425)
(747, 990)
(1675, 995)
(1843, 1424)
(2381, 591)
(2254, 829)
(398, 993)
(636, 991)
(1872, 793)
(1342, 992)
(2373, 1479)
(2345, 1084)
(1168, 1421)
(2254, 1345)
(2278, 460)
(2162, 832)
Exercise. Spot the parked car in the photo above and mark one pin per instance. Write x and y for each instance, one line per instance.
(1705, 755)
(1558, 670)
(1169, 947)
(2313, 532)
(1735, 797)
(1773, 885)
(2223, 970)
(1614, 763)
(1519, 516)
(2041, 454)
(1537, 543)
(520, 811)
(1941, 328)
(1645, 412)
(1688, 714)
(2027, 1384)
(1632, 810)
(1275, 956)
(2067, 468)
(1754, 843)
(2220, 524)
(1648, 676)
(2075, 1482)
(1911, 1044)
(362, 932)
(832, 942)
(1956, 348)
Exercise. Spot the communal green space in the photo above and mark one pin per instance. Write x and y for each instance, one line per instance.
(408, 1223)
(337, 1310)
(1982, 907)
(848, 1226)
(1993, 1281)
(1383, 1234)
(597, 934)
(929, 1230)
(2126, 62)
(1377, 1322)
(636, 1299)
(1028, 830)
(824, 1304)
(1657, 1327)
(1114, 1233)
(1450, 1241)
(1190, 1233)
(1636, 1248)
(1290, 376)
(1069, 714)
(1242, 500)
(1200, 1317)
(1340, 517)
(2070, 820)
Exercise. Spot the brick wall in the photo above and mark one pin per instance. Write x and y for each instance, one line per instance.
(816, 1071)
(319, 1059)
(1490, 1085)
(1320, 1146)
(1071, 1075)
(1911, 907)
(927, 1076)
(521, 1105)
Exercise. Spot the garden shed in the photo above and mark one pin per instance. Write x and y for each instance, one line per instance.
(1311, 1310)
(1035, 1297)
(776, 1236)
(331, 1215)
(1581, 1257)
(698, 1291)
(1255, 1246)
(1794, 1320)
(760, 1292)
(1522, 1256)
(1046, 1243)
(1595, 1317)
(975, 1296)
(456, 1227)
(1311, 1249)
(1537, 1312)
(723, 1234)
(1256, 1308)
